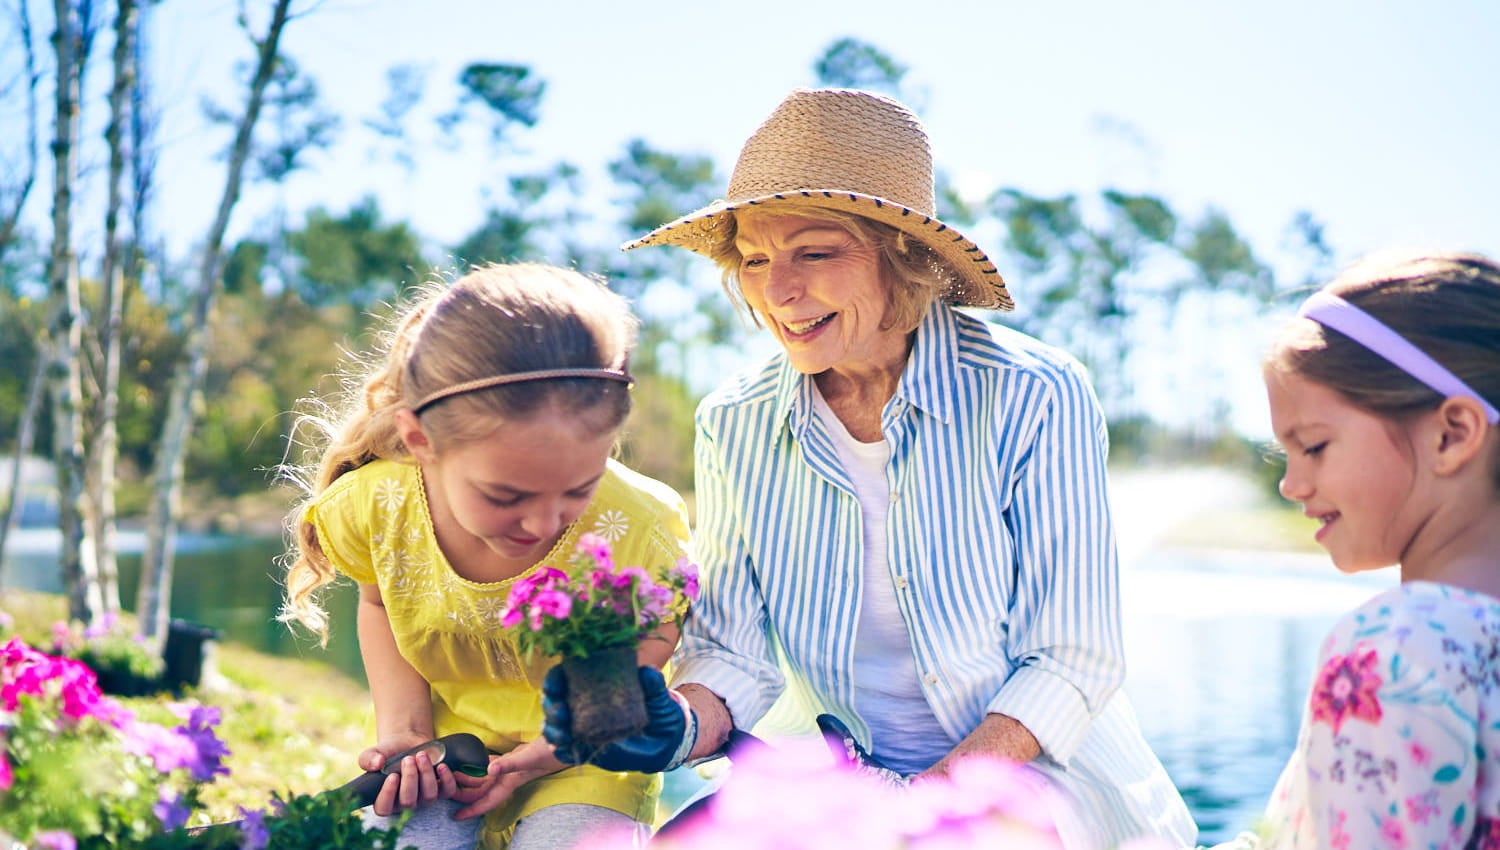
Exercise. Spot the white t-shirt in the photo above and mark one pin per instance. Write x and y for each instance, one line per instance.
(887, 692)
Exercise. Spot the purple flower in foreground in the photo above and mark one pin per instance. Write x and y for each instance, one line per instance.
(167, 749)
(171, 811)
(209, 752)
(253, 832)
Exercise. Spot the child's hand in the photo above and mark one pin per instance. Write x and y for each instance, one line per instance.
(506, 774)
(414, 782)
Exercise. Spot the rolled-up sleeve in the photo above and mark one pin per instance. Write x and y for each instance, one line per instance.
(1064, 635)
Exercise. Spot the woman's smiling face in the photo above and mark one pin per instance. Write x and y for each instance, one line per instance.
(819, 289)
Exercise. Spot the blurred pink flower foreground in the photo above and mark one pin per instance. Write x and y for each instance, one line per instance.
(793, 796)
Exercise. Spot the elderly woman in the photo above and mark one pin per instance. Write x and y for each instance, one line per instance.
(907, 503)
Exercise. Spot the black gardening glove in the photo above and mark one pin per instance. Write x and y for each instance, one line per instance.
(850, 754)
(671, 728)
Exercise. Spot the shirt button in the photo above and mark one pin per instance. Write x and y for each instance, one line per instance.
(901, 582)
(930, 678)
(895, 497)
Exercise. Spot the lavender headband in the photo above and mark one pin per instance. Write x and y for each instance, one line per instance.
(1331, 311)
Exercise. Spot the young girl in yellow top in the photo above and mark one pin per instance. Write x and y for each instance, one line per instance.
(476, 452)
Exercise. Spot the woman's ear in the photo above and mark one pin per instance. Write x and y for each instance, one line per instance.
(1463, 428)
(409, 429)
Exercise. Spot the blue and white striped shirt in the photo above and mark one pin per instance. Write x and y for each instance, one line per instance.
(999, 544)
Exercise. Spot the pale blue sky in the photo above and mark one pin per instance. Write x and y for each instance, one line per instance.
(1382, 119)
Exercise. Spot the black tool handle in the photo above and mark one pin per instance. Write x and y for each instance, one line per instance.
(461, 751)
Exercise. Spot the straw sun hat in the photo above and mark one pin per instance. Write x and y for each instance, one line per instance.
(847, 150)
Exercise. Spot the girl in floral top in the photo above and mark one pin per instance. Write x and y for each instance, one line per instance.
(477, 452)
(1383, 393)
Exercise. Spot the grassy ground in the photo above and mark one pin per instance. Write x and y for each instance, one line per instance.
(292, 726)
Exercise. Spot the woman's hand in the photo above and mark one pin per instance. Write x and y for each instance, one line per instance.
(506, 773)
(416, 782)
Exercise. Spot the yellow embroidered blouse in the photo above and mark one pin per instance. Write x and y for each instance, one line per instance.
(374, 525)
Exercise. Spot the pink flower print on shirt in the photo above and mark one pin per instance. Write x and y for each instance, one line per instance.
(1341, 837)
(1393, 831)
(1346, 687)
(1420, 755)
(1421, 808)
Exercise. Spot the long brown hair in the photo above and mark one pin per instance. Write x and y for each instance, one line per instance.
(1448, 305)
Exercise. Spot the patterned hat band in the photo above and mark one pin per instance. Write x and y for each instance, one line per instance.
(619, 375)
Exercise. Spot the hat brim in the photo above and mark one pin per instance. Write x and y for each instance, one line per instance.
(978, 283)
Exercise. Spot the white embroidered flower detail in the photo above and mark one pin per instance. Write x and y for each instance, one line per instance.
(612, 525)
(390, 494)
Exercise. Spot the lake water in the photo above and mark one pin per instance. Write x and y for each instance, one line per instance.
(1220, 644)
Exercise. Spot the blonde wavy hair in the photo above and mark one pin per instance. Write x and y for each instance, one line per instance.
(494, 320)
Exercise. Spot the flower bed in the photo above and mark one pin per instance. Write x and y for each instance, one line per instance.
(78, 770)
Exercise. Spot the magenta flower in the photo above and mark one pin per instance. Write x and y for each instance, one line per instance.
(556, 604)
(596, 604)
(685, 573)
(511, 616)
(1347, 687)
(7, 778)
(596, 547)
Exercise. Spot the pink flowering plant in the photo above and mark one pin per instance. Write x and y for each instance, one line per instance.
(78, 769)
(595, 604)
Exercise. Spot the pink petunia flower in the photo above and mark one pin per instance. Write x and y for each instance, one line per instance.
(596, 547)
(685, 573)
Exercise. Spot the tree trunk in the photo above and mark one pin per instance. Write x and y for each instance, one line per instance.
(65, 330)
(154, 600)
(106, 435)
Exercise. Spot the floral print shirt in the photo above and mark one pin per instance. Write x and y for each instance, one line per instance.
(1400, 741)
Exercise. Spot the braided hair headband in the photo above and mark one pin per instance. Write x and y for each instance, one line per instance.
(1331, 311)
(521, 377)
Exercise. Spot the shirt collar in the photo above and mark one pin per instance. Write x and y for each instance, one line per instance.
(925, 383)
(929, 377)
